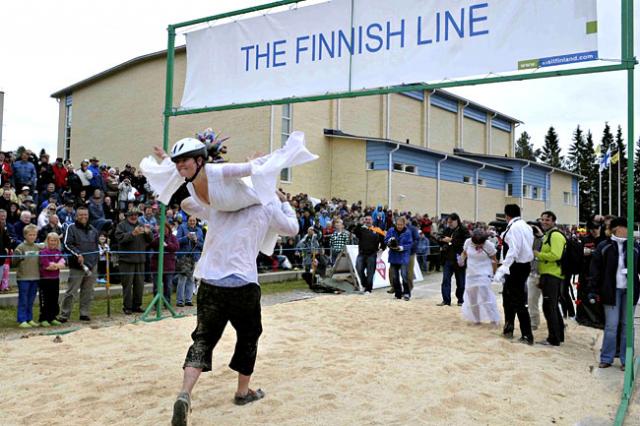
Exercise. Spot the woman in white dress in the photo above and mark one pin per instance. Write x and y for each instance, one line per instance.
(479, 300)
(223, 187)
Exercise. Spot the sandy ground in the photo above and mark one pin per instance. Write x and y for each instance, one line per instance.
(330, 360)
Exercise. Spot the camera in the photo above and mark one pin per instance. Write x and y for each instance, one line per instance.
(393, 243)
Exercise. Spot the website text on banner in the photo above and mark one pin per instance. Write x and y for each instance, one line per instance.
(319, 49)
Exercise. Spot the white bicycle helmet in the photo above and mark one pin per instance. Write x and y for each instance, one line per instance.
(188, 148)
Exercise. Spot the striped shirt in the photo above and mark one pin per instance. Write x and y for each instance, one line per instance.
(338, 240)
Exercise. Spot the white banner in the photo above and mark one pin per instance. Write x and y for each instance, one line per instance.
(328, 48)
(381, 277)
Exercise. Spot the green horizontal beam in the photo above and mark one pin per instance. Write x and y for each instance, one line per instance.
(235, 13)
(408, 88)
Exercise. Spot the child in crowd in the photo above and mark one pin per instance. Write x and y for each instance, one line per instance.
(103, 247)
(28, 275)
(4, 273)
(51, 261)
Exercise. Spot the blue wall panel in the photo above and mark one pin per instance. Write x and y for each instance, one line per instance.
(444, 103)
(475, 114)
(501, 124)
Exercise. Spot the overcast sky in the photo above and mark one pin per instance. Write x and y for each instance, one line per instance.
(48, 45)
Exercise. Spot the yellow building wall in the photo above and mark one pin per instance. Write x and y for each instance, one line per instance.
(376, 188)
(566, 213)
(458, 198)
(362, 116)
(348, 169)
(443, 130)
(490, 203)
(500, 142)
(474, 136)
(413, 193)
(406, 119)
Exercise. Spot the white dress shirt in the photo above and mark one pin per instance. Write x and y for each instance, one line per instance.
(519, 238)
(234, 239)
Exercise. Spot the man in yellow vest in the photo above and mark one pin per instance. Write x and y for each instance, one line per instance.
(549, 266)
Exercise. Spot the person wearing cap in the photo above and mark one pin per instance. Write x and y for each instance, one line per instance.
(24, 193)
(133, 240)
(24, 172)
(609, 270)
(60, 173)
(85, 175)
(96, 181)
(81, 241)
(67, 214)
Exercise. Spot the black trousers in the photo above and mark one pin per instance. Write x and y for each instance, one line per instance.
(565, 298)
(49, 296)
(216, 307)
(514, 299)
(551, 287)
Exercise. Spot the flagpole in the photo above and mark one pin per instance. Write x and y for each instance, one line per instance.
(610, 209)
(619, 186)
(600, 160)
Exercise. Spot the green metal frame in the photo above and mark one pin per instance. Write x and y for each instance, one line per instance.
(627, 64)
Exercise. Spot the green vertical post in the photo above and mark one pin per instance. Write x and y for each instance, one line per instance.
(628, 59)
(159, 298)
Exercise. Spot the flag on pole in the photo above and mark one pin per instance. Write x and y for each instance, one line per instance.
(615, 157)
(605, 160)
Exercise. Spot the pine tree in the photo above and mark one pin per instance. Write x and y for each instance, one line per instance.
(606, 142)
(551, 152)
(525, 149)
(619, 147)
(588, 168)
(572, 162)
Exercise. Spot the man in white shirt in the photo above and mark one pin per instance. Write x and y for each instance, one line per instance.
(514, 271)
(229, 292)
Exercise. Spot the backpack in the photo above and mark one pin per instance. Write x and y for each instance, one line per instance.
(572, 255)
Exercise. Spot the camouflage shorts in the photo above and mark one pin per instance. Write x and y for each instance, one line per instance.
(216, 307)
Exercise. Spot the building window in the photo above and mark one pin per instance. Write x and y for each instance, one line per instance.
(467, 179)
(287, 114)
(509, 190)
(567, 197)
(398, 167)
(482, 182)
(67, 126)
(410, 169)
(575, 199)
(536, 193)
(371, 165)
(526, 191)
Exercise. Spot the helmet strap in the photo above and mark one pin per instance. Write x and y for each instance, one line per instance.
(195, 175)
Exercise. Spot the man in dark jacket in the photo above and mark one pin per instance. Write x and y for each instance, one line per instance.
(133, 240)
(609, 279)
(452, 241)
(370, 241)
(81, 241)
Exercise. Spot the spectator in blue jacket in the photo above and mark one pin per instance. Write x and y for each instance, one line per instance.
(399, 241)
(96, 181)
(24, 172)
(191, 239)
(379, 218)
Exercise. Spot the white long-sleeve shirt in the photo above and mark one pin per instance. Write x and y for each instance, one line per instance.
(234, 239)
(519, 238)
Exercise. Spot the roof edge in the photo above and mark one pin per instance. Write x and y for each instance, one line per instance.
(120, 67)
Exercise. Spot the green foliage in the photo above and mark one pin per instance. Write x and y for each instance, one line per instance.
(525, 149)
(551, 152)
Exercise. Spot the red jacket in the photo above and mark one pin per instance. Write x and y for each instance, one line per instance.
(170, 250)
(60, 176)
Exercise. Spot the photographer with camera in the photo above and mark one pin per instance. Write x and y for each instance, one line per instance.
(399, 240)
(133, 241)
(452, 242)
